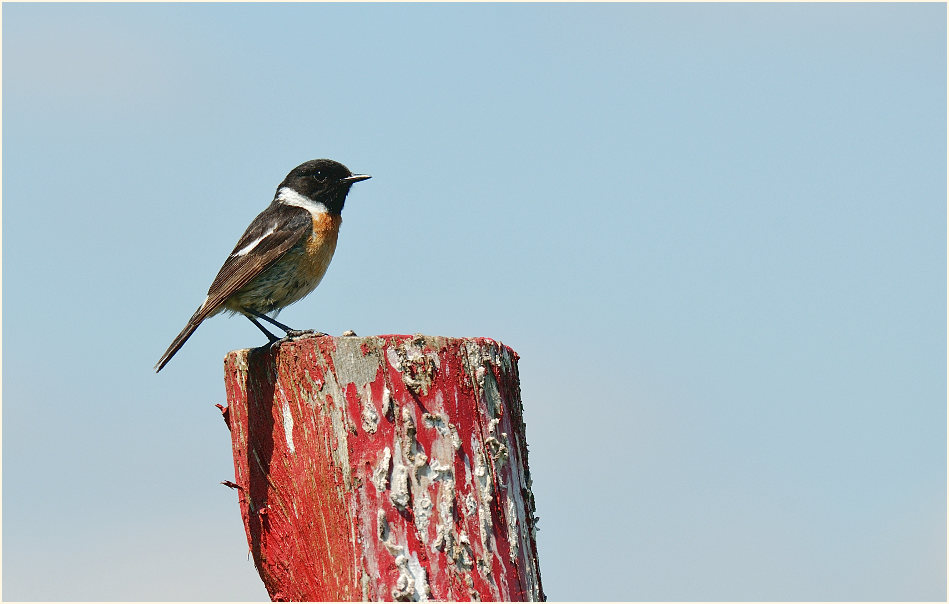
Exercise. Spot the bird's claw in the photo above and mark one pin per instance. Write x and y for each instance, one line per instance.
(295, 334)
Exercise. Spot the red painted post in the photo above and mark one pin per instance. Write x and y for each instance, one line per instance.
(384, 468)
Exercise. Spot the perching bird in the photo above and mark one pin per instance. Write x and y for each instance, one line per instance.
(283, 254)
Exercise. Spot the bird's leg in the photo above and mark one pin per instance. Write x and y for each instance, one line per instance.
(274, 322)
(269, 335)
(289, 330)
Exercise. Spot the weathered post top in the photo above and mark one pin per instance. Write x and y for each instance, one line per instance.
(384, 468)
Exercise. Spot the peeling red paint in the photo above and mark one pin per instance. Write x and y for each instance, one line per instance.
(390, 467)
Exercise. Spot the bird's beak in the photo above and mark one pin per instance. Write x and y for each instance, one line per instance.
(355, 178)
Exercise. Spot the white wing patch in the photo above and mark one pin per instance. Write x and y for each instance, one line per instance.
(247, 248)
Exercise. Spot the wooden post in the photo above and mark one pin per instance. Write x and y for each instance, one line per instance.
(384, 468)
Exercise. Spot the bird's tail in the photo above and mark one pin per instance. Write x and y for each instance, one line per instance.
(182, 337)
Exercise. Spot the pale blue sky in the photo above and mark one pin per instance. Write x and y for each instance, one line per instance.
(716, 235)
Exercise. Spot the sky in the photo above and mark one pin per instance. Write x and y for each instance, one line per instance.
(714, 233)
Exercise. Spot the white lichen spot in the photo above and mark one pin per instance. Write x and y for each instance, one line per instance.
(512, 529)
(380, 474)
(485, 486)
(386, 402)
(423, 512)
(455, 438)
(421, 579)
(456, 548)
(440, 471)
(370, 419)
(412, 582)
(417, 367)
(445, 527)
(466, 558)
(287, 425)
(436, 421)
(471, 505)
(405, 585)
(395, 361)
(400, 486)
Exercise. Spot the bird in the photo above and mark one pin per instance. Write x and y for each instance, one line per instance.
(283, 254)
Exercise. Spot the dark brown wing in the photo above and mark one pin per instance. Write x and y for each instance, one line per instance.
(269, 236)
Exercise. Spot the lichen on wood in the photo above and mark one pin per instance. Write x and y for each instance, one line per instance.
(384, 468)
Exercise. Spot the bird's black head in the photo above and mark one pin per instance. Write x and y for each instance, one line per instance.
(322, 180)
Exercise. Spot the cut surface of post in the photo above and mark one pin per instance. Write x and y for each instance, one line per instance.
(384, 468)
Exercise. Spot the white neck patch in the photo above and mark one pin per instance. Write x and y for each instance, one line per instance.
(288, 196)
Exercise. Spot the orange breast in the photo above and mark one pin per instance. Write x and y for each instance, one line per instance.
(321, 245)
